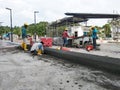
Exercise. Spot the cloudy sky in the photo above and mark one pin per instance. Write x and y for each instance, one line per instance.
(51, 10)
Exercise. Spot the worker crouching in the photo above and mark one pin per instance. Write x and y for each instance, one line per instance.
(37, 48)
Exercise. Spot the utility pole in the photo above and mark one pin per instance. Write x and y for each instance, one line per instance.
(35, 24)
(11, 23)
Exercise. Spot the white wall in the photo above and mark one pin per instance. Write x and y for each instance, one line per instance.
(115, 32)
(78, 29)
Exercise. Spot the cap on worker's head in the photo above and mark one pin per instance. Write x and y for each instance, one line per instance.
(66, 28)
(25, 24)
(92, 27)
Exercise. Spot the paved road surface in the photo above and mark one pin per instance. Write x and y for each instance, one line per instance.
(22, 71)
(106, 49)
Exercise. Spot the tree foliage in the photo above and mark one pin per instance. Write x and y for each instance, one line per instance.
(107, 30)
(39, 29)
(17, 30)
(4, 29)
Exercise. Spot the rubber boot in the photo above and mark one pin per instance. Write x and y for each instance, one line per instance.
(22, 45)
(25, 47)
(39, 52)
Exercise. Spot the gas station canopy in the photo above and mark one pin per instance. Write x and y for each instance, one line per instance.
(68, 20)
(81, 17)
(91, 15)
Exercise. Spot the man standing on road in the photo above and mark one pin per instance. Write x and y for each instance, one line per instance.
(64, 37)
(94, 36)
(24, 36)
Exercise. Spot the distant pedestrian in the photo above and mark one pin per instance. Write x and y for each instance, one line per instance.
(65, 36)
(94, 36)
(24, 36)
(0, 37)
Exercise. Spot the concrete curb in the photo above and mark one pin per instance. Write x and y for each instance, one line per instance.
(15, 47)
(100, 62)
(10, 45)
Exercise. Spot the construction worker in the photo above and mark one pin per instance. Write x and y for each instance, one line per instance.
(24, 36)
(94, 36)
(37, 48)
(65, 36)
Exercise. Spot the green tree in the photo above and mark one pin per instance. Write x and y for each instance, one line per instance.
(39, 28)
(17, 30)
(107, 30)
(4, 29)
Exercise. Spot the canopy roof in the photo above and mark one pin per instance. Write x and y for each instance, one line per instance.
(91, 15)
(67, 20)
(81, 17)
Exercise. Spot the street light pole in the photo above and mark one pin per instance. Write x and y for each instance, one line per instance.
(11, 23)
(35, 24)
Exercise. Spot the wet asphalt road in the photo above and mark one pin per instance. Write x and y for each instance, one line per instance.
(22, 71)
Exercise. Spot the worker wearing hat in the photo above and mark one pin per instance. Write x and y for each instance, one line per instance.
(65, 36)
(24, 36)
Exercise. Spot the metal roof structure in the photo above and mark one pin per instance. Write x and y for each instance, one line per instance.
(91, 15)
(68, 20)
(81, 17)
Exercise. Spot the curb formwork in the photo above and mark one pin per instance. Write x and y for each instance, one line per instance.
(100, 62)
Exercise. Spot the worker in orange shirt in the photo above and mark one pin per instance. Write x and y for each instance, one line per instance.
(65, 36)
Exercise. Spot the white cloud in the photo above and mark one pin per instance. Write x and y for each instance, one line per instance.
(50, 10)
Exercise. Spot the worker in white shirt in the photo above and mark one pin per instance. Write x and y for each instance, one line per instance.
(37, 48)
